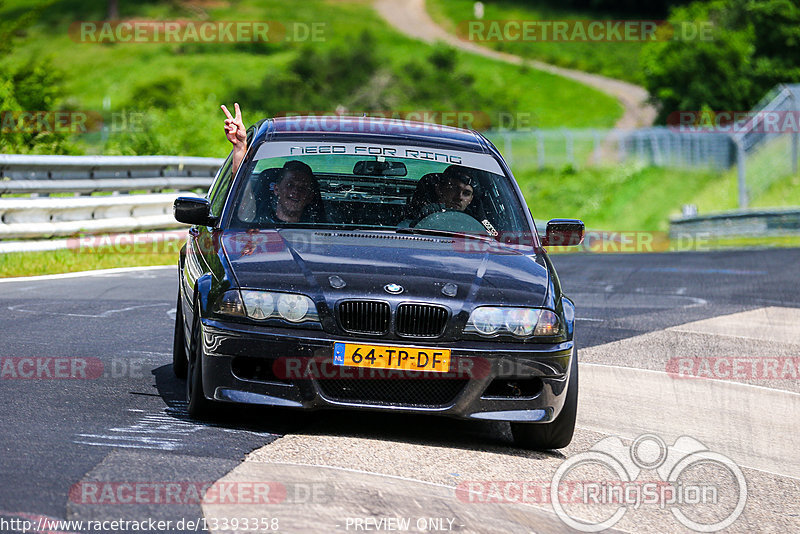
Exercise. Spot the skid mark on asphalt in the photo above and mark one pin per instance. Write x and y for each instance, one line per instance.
(693, 270)
(638, 299)
(771, 324)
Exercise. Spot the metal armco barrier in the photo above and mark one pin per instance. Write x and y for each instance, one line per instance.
(62, 216)
(744, 223)
(47, 217)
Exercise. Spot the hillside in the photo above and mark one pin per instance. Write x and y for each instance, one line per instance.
(180, 85)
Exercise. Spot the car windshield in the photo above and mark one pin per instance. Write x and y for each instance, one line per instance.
(379, 187)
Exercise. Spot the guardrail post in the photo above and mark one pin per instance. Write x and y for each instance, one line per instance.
(540, 149)
(570, 142)
(741, 172)
(507, 149)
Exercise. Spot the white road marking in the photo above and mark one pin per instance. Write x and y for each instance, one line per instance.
(138, 442)
(107, 313)
(98, 272)
(154, 430)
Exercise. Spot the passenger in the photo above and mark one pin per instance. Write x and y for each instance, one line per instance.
(456, 189)
(296, 194)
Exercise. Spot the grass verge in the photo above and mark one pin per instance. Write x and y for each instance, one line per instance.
(68, 260)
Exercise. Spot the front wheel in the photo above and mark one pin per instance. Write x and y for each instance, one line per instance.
(198, 405)
(558, 433)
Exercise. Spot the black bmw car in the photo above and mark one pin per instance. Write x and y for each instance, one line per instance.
(372, 264)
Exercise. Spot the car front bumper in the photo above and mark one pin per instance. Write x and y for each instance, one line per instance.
(291, 367)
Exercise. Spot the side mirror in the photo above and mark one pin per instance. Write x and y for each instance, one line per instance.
(193, 210)
(564, 233)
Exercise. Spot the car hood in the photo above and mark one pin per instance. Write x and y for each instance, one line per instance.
(304, 261)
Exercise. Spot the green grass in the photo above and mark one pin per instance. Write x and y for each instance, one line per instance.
(770, 182)
(67, 261)
(211, 73)
(614, 59)
(627, 197)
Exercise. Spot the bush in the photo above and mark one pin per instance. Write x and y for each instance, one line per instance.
(34, 87)
(357, 79)
(163, 93)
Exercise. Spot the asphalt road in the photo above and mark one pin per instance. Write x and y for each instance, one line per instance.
(125, 422)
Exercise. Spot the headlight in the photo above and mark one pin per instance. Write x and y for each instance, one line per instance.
(260, 305)
(293, 308)
(519, 322)
(487, 320)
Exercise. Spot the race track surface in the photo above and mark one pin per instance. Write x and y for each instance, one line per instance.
(639, 319)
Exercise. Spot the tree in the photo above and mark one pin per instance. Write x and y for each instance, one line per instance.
(755, 45)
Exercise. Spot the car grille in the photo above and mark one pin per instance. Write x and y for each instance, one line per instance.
(427, 392)
(364, 317)
(420, 320)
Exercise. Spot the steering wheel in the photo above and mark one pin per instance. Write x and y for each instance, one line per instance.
(452, 221)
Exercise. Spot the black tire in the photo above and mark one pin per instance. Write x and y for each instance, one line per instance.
(198, 405)
(180, 361)
(558, 433)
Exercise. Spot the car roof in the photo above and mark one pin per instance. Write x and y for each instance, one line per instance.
(370, 129)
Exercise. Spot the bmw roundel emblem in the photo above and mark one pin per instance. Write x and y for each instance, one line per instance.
(394, 289)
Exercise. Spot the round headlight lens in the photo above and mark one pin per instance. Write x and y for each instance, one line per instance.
(521, 321)
(259, 304)
(293, 307)
(487, 320)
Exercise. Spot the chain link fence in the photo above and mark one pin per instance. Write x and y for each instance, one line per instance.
(657, 146)
(762, 144)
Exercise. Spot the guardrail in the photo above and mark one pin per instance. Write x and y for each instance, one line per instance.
(740, 223)
(87, 174)
(83, 175)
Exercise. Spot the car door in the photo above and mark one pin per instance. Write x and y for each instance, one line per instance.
(201, 245)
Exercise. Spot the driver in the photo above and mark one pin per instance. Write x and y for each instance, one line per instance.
(457, 189)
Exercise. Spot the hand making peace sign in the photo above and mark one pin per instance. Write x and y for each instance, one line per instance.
(234, 128)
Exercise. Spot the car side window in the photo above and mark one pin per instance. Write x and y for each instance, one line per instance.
(219, 189)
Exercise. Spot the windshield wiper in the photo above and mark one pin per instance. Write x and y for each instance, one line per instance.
(444, 233)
